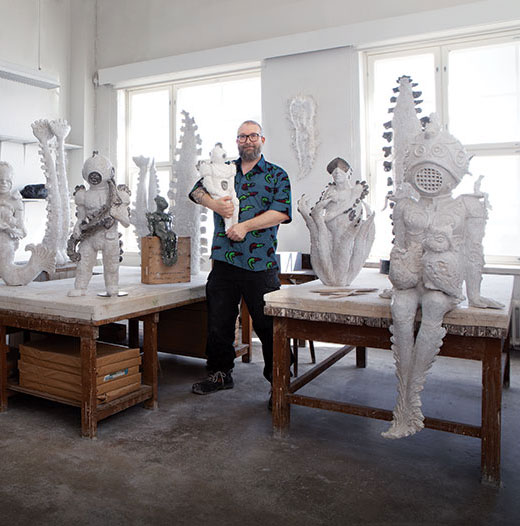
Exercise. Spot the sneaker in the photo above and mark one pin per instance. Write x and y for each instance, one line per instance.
(214, 382)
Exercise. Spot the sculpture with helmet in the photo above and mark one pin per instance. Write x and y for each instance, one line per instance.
(437, 246)
(99, 209)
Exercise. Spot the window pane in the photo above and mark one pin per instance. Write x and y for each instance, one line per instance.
(502, 183)
(149, 132)
(484, 94)
(219, 108)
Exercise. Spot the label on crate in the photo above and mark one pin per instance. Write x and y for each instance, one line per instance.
(118, 374)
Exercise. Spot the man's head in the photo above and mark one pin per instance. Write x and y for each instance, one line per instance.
(250, 141)
(6, 177)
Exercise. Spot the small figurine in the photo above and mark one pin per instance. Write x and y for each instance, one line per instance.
(219, 180)
(437, 246)
(99, 210)
(160, 225)
(341, 227)
(12, 229)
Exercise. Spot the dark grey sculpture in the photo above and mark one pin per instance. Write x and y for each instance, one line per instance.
(160, 225)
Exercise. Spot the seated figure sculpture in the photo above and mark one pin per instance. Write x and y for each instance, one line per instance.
(437, 246)
(341, 227)
(99, 209)
(160, 225)
(219, 180)
(12, 229)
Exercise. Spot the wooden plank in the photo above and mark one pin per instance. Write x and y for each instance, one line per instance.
(124, 402)
(320, 368)
(33, 392)
(281, 377)
(154, 271)
(247, 331)
(4, 349)
(150, 361)
(88, 382)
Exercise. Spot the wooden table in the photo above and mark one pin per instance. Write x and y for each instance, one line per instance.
(45, 307)
(363, 321)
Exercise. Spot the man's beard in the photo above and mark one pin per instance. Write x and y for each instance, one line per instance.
(250, 154)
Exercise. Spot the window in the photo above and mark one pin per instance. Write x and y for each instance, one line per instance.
(474, 86)
(153, 119)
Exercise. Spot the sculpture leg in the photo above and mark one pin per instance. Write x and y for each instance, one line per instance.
(84, 268)
(404, 309)
(111, 266)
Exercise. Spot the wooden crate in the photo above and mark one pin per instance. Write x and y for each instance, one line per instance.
(154, 271)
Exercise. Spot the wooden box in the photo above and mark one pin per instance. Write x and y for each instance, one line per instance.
(154, 271)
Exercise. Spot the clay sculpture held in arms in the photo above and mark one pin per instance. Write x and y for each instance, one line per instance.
(99, 209)
(341, 227)
(437, 246)
(12, 229)
(160, 225)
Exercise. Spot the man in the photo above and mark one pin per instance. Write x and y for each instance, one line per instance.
(244, 263)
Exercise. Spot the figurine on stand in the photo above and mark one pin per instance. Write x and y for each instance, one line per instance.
(99, 209)
(160, 225)
(341, 227)
(219, 180)
(437, 246)
(12, 229)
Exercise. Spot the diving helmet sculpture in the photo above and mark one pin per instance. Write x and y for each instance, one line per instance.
(437, 246)
(99, 210)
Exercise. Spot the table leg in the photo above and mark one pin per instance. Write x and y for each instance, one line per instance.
(3, 368)
(491, 406)
(281, 377)
(247, 331)
(361, 357)
(88, 383)
(133, 333)
(150, 362)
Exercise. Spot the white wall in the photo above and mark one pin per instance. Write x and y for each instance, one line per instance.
(331, 78)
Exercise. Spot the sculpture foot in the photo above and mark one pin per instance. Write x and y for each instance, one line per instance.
(403, 429)
(112, 291)
(76, 292)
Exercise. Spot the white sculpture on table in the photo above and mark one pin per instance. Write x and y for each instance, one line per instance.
(147, 191)
(302, 116)
(341, 227)
(219, 180)
(99, 209)
(51, 135)
(437, 246)
(12, 229)
(186, 217)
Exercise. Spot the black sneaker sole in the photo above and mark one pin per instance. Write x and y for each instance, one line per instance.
(221, 388)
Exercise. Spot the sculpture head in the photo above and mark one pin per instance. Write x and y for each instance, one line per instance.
(218, 155)
(161, 203)
(250, 140)
(97, 169)
(6, 177)
(435, 161)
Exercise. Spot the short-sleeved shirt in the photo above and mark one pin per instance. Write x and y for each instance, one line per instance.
(265, 187)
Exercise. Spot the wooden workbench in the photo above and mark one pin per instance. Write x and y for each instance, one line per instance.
(45, 307)
(363, 321)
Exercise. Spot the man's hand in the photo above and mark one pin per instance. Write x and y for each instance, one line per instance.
(223, 206)
(237, 232)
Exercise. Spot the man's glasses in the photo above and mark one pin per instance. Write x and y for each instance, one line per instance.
(253, 137)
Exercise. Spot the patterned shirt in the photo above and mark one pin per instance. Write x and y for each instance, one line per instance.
(265, 187)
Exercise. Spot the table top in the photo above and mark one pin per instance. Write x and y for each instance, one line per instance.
(301, 302)
(49, 298)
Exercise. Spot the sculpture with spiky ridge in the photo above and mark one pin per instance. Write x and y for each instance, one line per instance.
(187, 217)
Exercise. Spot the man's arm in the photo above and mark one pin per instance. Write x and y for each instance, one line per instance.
(265, 220)
(222, 206)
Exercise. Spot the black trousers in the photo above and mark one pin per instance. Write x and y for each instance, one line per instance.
(226, 285)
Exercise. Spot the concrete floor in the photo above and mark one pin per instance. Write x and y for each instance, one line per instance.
(212, 460)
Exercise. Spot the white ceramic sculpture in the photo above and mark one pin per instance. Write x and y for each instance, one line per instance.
(437, 246)
(341, 227)
(302, 116)
(219, 180)
(51, 135)
(12, 229)
(99, 209)
(186, 216)
(147, 191)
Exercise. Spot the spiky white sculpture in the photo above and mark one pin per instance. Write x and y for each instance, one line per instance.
(99, 209)
(186, 216)
(341, 227)
(219, 180)
(12, 229)
(58, 206)
(437, 246)
(147, 191)
(302, 116)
